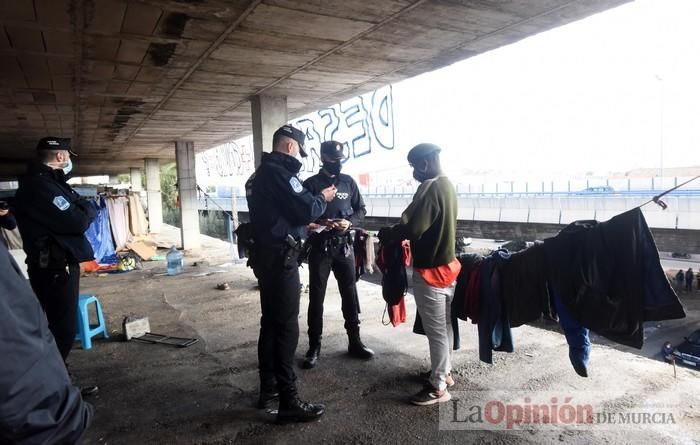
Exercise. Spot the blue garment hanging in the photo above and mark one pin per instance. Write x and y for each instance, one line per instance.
(576, 335)
(100, 235)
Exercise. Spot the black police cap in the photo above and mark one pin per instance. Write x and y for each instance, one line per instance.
(294, 133)
(54, 143)
(333, 150)
(421, 151)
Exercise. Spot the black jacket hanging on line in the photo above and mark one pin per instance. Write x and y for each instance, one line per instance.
(610, 278)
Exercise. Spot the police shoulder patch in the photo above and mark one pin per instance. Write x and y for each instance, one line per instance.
(296, 185)
(61, 202)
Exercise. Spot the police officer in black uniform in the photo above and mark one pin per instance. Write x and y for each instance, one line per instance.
(52, 219)
(332, 249)
(280, 211)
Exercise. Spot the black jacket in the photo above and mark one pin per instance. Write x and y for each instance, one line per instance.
(38, 403)
(609, 277)
(278, 203)
(347, 204)
(49, 211)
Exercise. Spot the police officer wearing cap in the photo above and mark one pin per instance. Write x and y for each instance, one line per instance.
(332, 249)
(280, 210)
(52, 220)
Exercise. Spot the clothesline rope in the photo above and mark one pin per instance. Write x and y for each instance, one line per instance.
(657, 199)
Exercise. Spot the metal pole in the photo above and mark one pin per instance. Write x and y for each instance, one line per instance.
(234, 225)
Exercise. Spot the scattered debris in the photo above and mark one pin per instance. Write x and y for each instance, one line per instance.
(144, 249)
(138, 328)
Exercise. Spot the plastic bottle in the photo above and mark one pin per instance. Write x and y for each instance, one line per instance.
(175, 262)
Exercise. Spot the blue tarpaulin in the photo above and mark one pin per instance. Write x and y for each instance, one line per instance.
(100, 235)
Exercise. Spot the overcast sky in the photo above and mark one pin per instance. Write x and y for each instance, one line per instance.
(602, 94)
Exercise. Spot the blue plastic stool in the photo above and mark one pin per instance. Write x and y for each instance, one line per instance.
(85, 330)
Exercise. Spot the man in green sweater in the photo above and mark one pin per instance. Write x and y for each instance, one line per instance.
(429, 222)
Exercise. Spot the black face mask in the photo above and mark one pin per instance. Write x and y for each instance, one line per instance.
(421, 176)
(333, 168)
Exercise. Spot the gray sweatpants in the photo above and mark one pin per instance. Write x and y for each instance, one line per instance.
(433, 305)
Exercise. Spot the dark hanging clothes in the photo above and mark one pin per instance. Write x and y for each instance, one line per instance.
(610, 278)
(494, 327)
(524, 283)
(466, 298)
(359, 247)
(392, 260)
(576, 336)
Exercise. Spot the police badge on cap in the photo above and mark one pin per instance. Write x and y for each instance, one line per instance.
(54, 143)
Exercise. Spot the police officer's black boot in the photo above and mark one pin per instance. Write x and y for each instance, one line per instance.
(293, 409)
(356, 348)
(268, 398)
(312, 355)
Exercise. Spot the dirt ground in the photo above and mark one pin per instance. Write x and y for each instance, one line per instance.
(205, 394)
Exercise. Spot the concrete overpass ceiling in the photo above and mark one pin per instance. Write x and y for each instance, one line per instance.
(125, 78)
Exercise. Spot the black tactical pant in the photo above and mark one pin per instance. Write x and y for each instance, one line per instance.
(341, 260)
(279, 326)
(57, 292)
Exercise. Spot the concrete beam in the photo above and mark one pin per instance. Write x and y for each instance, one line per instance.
(153, 197)
(187, 189)
(135, 174)
(268, 113)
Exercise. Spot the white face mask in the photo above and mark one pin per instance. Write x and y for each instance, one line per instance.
(68, 167)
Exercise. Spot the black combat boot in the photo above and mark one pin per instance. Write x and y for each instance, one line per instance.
(296, 410)
(268, 398)
(311, 358)
(355, 346)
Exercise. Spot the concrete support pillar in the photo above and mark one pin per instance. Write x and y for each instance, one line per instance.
(153, 197)
(269, 113)
(187, 188)
(135, 174)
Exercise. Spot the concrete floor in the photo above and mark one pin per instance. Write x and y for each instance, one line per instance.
(205, 394)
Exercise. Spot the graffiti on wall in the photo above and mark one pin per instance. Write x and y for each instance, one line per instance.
(364, 124)
(229, 159)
